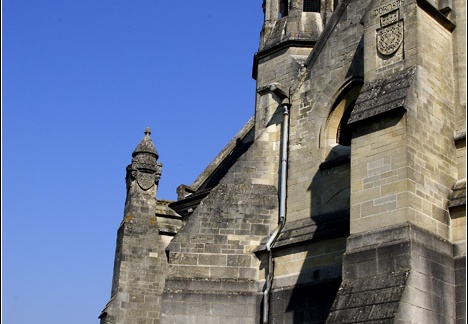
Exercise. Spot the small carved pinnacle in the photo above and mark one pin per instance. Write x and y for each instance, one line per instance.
(147, 131)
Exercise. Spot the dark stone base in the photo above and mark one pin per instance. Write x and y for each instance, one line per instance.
(308, 303)
(401, 274)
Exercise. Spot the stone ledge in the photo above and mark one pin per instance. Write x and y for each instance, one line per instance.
(211, 285)
(316, 228)
(382, 97)
(458, 196)
(404, 232)
(369, 300)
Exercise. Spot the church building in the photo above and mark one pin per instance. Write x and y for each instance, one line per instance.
(343, 198)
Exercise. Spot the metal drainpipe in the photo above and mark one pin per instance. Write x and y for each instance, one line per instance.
(282, 213)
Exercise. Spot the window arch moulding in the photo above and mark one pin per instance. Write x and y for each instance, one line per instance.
(336, 135)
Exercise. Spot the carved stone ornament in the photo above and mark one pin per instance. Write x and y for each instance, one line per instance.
(145, 180)
(390, 38)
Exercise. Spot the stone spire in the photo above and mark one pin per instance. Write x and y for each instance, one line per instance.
(145, 168)
(146, 145)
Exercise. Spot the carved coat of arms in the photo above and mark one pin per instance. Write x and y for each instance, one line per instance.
(389, 38)
(145, 180)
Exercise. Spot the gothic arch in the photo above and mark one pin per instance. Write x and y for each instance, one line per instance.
(335, 137)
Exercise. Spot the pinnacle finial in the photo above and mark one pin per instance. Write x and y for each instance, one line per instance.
(146, 145)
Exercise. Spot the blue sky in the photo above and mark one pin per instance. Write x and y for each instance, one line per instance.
(80, 82)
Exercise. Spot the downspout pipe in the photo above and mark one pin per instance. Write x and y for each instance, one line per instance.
(282, 212)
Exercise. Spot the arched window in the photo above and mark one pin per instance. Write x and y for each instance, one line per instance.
(343, 134)
(337, 134)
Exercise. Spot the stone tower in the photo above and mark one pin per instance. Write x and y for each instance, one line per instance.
(404, 241)
(290, 30)
(139, 264)
(342, 200)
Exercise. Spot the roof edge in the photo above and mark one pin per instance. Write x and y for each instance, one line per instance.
(225, 152)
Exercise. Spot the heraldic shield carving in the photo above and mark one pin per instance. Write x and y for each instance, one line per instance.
(389, 38)
(145, 180)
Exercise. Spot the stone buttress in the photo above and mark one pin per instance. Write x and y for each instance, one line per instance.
(403, 255)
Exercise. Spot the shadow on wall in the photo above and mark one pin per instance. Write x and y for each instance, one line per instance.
(328, 227)
(312, 297)
(323, 235)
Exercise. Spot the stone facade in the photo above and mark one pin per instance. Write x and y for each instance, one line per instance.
(343, 199)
